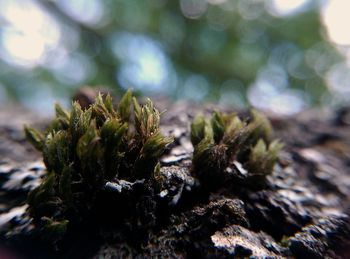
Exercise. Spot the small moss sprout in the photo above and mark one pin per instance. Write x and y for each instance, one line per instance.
(262, 158)
(225, 138)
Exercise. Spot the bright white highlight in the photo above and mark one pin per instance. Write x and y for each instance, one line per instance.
(28, 33)
(144, 64)
(285, 7)
(336, 18)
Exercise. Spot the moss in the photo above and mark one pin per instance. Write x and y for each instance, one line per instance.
(225, 138)
(262, 158)
(84, 149)
(103, 162)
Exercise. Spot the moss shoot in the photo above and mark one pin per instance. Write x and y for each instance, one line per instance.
(92, 151)
(225, 138)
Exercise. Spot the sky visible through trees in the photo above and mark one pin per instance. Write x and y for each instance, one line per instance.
(280, 55)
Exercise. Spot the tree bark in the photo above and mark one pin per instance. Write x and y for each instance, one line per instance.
(301, 213)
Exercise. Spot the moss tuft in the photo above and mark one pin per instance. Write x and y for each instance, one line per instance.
(85, 150)
(225, 138)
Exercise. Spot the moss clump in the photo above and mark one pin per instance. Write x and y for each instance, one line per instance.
(262, 158)
(89, 151)
(225, 138)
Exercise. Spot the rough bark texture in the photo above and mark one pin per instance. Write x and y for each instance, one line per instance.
(302, 212)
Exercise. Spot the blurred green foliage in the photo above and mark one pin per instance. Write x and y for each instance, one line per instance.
(232, 51)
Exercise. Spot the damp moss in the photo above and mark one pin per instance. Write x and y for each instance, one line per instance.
(225, 138)
(85, 150)
(104, 161)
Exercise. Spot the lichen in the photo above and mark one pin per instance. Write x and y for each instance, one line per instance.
(88, 152)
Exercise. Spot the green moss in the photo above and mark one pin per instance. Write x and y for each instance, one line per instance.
(34, 137)
(225, 138)
(102, 158)
(85, 149)
(53, 230)
(262, 158)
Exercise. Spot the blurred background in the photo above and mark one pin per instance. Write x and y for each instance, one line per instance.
(279, 55)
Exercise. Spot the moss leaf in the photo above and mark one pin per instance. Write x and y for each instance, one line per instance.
(218, 126)
(197, 130)
(34, 137)
(124, 107)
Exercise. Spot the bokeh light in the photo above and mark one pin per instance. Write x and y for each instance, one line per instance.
(286, 7)
(278, 55)
(144, 63)
(336, 19)
(88, 12)
(26, 38)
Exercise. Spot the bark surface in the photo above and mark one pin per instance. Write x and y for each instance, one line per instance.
(302, 212)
